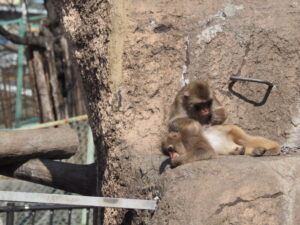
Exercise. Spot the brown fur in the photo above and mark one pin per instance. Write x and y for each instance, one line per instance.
(252, 143)
(187, 146)
(187, 118)
(197, 92)
(229, 140)
(189, 141)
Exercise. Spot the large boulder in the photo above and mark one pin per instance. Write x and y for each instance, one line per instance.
(231, 190)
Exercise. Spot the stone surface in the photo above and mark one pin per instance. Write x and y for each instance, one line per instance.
(231, 190)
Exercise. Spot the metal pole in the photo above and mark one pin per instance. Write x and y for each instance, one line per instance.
(88, 217)
(51, 217)
(6, 22)
(89, 159)
(33, 218)
(10, 214)
(22, 25)
(79, 200)
(69, 216)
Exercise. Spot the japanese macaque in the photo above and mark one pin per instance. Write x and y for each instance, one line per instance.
(196, 132)
(191, 145)
(187, 145)
(195, 105)
(196, 101)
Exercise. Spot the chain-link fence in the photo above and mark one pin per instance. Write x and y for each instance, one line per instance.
(82, 156)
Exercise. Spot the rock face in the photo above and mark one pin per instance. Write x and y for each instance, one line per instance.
(231, 190)
(135, 55)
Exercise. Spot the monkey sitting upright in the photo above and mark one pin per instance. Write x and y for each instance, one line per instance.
(196, 105)
(196, 101)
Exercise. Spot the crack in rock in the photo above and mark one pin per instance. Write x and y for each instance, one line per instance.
(240, 200)
(184, 75)
(247, 49)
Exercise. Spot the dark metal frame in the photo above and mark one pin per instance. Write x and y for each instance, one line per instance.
(234, 79)
(11, 208)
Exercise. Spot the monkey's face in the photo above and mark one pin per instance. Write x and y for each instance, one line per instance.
(200, 109)
(198, 101)
(173, 146)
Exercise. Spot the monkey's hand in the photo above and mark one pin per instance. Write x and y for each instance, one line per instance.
(185, 124)
(173, 154)
(218, 116)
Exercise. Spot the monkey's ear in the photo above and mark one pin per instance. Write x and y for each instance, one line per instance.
(186, 94)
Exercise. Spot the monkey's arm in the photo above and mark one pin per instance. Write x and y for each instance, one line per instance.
(204, 154)
(185, 125)
(179, 160)
(219, 114)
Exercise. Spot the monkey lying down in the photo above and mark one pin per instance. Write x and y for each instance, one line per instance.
(198, 143)
(197, 133)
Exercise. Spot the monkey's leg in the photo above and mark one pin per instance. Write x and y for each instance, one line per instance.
(262, 145)
(254, 145)
(255, 151)
(238, 151)
(258, 146)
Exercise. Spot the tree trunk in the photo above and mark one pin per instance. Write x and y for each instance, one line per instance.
(42, 85)
(6, 102)
(134, 57)
(57, 100)
(33, 84)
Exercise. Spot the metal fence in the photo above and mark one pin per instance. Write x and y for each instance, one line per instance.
(11, 210)
(84, 155)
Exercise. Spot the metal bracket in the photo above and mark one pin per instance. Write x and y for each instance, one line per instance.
(234, 79)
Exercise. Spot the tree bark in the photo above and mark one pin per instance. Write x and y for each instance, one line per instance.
(5, 97)
(69, 80)
(51, 143)
(57, 101)
(43, 91)
(33, 83)
(69, 177)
